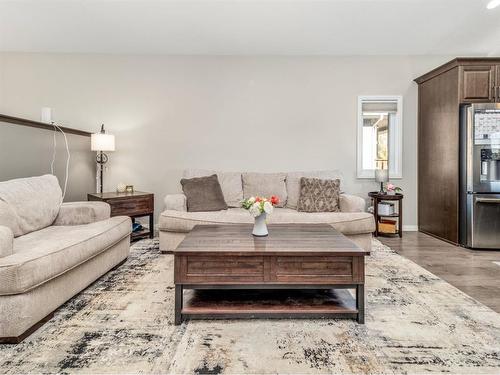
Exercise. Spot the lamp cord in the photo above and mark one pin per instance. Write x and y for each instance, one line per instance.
(56, 127)
(54, 150)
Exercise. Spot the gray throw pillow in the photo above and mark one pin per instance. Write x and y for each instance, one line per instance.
(203, 194)
(318, 195)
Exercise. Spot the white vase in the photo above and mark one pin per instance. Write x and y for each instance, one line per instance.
(260, 226)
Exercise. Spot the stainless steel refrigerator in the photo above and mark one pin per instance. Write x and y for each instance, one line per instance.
(480, 176)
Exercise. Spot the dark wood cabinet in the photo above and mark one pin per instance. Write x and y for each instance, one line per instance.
(497, 84)
(478, 83)
(440, 94)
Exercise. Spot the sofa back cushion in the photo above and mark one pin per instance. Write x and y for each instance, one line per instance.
(293, 183)
(265, 185)
(230, 183)
(29, 204)
(203, 194)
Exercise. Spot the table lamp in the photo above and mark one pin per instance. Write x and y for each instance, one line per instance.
(381, 175)
(101, 142)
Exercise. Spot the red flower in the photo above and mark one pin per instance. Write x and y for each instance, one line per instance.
(258, 199)
(275, 200)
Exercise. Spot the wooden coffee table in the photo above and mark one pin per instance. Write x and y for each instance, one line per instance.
(298, 271)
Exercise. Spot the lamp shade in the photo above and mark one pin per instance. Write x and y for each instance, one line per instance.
(381, 175)
(102, 142)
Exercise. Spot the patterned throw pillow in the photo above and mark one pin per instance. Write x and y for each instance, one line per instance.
(318, 195)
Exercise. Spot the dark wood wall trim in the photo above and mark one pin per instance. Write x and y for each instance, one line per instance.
(40, 125)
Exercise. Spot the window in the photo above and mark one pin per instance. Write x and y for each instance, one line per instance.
(380, 140)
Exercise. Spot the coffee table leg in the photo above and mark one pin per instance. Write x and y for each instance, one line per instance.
(360, 303)
(178, 303)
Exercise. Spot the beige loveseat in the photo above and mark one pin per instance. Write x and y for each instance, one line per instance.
(352, 220)
(50, 251)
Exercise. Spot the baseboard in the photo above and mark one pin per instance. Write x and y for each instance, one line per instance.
(410, 228)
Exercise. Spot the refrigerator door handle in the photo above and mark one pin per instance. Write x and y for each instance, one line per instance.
(488, 200)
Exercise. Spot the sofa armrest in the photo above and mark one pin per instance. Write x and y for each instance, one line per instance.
(78, 213)
(176, 202)
(6, 241)
(352, 203)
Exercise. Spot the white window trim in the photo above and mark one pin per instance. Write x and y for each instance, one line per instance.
(395, 141)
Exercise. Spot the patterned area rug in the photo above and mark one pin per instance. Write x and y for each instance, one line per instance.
(123, 323)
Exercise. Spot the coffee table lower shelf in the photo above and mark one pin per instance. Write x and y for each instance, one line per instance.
(268, 301)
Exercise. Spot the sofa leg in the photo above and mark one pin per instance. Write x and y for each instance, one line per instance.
(29, 331)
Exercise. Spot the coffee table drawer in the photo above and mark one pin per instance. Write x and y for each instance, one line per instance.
(314, 269)
(197, 269)
(202, 269)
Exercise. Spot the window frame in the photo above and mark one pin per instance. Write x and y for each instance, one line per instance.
(395, 140)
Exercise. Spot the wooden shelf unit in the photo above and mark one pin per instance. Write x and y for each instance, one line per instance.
(377, 197)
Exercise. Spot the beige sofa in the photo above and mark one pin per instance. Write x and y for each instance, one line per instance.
(50, 251)
(353, 220)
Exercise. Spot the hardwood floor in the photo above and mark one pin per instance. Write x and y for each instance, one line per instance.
(471, 271)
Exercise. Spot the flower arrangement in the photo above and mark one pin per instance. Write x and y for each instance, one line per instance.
(392, 189)
(259, 205)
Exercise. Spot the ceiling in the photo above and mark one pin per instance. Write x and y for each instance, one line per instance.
(246, 27)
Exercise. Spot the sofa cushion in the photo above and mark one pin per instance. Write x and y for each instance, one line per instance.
(344, 222)
(203, 194)
(265, 185)
(29, 204)
(293, 183)
(230, 183)
(42, 255)
(318, 195)
(78, 213)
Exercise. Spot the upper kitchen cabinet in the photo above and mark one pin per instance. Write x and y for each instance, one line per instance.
(478, 83)
(478, 78)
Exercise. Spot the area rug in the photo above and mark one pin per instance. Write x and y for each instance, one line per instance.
(123, 323)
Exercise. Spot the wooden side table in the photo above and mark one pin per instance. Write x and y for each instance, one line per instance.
(136, 204)
(377, 197)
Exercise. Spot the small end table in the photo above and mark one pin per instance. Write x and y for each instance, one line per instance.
(136, 204)
(377, 197)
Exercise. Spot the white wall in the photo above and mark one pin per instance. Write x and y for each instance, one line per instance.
(229, 113)
(26, 151)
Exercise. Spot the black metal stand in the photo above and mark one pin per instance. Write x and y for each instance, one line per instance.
(382, 188)
(101, 159)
